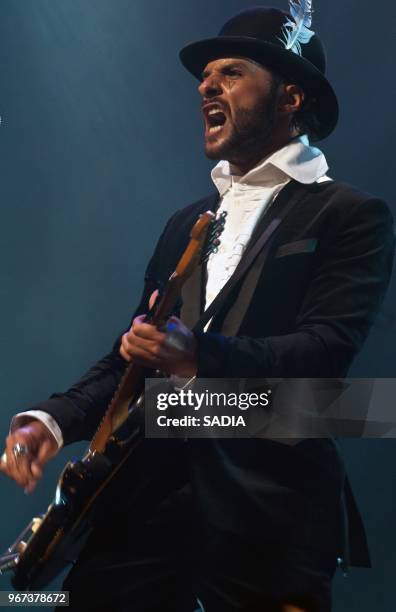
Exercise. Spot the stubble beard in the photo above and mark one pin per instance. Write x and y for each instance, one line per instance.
(251, 133)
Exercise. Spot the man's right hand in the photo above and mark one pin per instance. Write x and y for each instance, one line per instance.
(41, 445)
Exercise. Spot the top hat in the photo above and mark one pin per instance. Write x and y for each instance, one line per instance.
(257, 34)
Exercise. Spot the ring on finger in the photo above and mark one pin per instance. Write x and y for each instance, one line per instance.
(19, 450)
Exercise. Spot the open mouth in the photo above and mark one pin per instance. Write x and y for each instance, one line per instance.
(215, 120)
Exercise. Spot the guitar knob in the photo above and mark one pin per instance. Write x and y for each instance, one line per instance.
(36, 522)
(21, 546)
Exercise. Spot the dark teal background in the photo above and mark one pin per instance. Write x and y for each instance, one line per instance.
(100, 141)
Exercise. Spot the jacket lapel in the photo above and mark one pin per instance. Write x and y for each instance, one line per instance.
(287, 198)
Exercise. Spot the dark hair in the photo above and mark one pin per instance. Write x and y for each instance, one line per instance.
(305, 121)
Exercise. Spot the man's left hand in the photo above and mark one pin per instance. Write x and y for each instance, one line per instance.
(171, 350)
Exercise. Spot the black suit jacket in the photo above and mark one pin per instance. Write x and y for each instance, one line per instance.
(303, 309)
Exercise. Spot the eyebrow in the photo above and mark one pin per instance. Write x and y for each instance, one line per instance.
(234, 64)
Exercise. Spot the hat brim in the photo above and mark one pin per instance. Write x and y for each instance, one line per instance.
(197, 55)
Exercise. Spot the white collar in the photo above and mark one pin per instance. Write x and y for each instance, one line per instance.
(297, 160)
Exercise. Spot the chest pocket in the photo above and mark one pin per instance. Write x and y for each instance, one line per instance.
(294, 248)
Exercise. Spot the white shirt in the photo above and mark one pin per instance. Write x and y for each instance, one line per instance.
(245, 198)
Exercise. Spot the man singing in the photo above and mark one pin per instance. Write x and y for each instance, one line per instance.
(246, 524)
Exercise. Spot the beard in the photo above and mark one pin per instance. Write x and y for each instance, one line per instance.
(250, 132)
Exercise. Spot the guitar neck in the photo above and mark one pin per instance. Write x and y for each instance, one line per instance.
(132, 383)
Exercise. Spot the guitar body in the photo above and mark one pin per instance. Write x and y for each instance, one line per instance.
(82, 487)
(51, 549)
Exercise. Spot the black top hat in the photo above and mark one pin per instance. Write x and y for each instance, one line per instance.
(256, 34)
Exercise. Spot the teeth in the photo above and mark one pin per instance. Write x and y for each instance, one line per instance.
(214, 111)
(215, 128)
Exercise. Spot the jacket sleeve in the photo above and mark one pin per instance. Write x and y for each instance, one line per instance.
(346, 290)
(78, 411)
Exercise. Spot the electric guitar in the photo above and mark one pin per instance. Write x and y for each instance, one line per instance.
(51, 542)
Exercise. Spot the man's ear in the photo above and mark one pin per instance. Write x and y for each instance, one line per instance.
(291, 99)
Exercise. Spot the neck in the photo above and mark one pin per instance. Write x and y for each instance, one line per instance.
(243, 164)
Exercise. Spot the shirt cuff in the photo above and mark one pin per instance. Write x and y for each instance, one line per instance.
(24, 417)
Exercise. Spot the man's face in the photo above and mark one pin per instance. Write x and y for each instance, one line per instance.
(238, 104)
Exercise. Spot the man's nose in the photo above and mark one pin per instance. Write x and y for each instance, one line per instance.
(210, 87)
